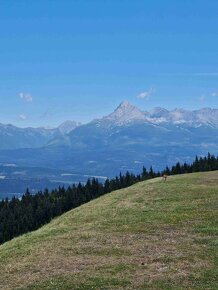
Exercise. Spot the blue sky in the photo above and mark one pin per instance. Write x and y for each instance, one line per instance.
(78, 59)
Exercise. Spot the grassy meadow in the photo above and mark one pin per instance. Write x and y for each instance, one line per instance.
(153, 235)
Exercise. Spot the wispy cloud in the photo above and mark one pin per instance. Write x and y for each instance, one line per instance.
(146, 94)
(26, 97)
(204, 97)
(22, 117)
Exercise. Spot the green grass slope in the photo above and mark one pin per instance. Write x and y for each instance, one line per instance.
(153, 235)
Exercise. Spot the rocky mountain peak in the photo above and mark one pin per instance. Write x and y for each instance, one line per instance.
(126, 113)
(68, 126)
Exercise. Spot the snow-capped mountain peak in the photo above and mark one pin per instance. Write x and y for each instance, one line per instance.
(126, 113)
(205, 116)
(158, 112)
(125, 104)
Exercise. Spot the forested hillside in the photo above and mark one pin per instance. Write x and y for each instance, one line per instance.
(18, 216)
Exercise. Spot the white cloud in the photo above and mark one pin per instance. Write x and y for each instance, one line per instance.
(26, 97)
(22, 117)
(147, 94)
(214, 94)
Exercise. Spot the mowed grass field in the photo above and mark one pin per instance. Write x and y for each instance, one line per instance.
(153, 235)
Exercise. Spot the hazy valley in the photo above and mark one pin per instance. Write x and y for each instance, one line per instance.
(125, 140)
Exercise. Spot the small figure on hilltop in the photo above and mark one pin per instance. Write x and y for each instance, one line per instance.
(164, 177)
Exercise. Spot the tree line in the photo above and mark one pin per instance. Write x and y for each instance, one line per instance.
(22, 215)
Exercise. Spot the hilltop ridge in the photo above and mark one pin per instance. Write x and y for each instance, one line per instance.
(152, 235)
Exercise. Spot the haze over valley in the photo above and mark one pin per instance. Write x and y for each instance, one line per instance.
(125, 140)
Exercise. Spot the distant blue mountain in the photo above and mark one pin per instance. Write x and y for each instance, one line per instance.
(12, 137)
(127, 139)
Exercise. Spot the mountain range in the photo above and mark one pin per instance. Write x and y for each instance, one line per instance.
(124, 140)
(126, 114)
(13, 137)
